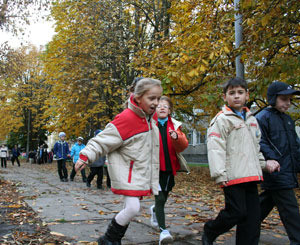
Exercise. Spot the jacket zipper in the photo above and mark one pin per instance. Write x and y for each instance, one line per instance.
(130, 171)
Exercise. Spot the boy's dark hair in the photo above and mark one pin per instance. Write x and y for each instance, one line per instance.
(235, 82)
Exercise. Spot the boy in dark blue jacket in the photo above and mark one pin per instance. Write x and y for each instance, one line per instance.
(279, 142)
(62, 152)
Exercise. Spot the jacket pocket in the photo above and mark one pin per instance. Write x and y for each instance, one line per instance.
(130, 171)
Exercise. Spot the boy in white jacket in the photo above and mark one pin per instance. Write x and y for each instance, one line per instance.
(236, 163)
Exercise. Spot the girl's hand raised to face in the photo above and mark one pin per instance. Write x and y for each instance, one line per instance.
(173, 134)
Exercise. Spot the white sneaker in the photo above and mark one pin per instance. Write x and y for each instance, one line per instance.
(153, 219)
(165, 237)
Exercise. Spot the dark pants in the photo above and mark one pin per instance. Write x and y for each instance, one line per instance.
(160, 201)
(96, 171)
(286, 203)
(241, 209)
(3, 162)
(13, 161)
(107, 177)
(62, 170)
(73, 173)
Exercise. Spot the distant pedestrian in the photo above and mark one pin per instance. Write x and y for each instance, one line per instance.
(76, 148)
(236, 163)
(15, 155)
(62, 152)
(280, 143)
(40, 151)
(45, 153)
(96, 168)
(172, 142)
(4, 155)
(131, 143)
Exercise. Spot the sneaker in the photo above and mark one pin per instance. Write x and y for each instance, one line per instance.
(165, 237)
(88, 184)
(153, 219)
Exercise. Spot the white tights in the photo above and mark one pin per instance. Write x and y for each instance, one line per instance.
(130, 210)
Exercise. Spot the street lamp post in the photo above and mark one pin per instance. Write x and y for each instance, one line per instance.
(239, 67)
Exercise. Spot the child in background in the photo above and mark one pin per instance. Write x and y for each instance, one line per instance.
(96, 169)
(131, 143)
(62, 152)
(172, 141)
(236, 163)
(280, 143)
(76, 148)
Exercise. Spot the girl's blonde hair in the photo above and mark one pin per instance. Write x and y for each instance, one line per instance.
(145, 84)
(166, 98)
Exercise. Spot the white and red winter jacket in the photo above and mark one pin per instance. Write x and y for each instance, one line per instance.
(131, 143)
(233, 148)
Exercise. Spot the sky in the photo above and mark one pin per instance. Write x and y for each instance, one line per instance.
(37, 34)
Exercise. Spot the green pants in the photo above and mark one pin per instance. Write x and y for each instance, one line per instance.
(160, 201)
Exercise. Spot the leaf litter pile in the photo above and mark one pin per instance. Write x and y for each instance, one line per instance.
(19, 224)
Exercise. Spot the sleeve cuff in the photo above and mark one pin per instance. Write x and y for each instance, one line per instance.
(83, 158)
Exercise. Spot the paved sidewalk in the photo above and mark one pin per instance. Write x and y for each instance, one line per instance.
(81, 213)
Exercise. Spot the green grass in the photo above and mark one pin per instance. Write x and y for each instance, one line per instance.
(198, 164)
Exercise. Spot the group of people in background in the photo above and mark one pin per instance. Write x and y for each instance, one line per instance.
(62, 153)
(4, 155)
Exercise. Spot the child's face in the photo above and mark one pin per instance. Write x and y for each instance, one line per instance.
(163, 109)
(62, 138)
(149, 101)
(283, 102)
(236, 97)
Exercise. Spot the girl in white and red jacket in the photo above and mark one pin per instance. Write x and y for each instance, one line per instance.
(131, 143)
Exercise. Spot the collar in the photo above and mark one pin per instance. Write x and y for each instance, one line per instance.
(162, 121)
(136, 109)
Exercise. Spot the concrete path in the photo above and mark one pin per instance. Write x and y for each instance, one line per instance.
(82, 213)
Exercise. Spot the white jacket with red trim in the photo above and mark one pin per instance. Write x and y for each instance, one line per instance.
(131, 143)
(233, 148)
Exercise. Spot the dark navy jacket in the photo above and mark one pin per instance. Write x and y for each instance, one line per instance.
(279, 142)
(15, 152)
(61, 150)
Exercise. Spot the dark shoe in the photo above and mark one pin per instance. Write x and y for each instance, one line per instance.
(104, 241)
(66, 179)
(99, 187)
(62, 180)
(88, 184)
(205, 240)
(71, 179)
(84, 180)
(113, 234)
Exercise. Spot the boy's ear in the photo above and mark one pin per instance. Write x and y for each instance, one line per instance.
(224, 97)
(247, 96)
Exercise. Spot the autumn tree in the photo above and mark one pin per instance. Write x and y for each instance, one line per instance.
(23, 94)
(14, 14)
(89, 61)
(199, 54)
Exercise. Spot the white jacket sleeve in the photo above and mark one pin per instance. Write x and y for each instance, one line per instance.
(260, 155)
(106, 141)
(216, 147)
